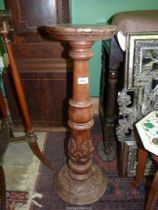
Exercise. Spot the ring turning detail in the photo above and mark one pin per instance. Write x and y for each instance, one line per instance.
(80, 181)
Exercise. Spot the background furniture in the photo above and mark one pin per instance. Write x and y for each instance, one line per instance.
(148, 132)
(127, 22)
(101, 12)
(44, 67)
(6, 132)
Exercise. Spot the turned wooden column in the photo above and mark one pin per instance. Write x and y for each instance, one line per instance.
(80, 181)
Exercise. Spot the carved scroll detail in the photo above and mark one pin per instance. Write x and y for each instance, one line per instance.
(80, 153)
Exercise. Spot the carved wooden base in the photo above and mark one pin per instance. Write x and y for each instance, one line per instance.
(80, 192)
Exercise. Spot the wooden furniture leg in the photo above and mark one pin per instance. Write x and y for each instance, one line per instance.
(6, 133)
(3, 107)
(147, 130)
(153, 194)
(80, 181)
(108, 109)
(115, 59)
(142, 160)
(2, 188)
(31, 138)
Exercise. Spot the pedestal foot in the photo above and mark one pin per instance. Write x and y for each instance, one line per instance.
(106, 151)
(80, 192)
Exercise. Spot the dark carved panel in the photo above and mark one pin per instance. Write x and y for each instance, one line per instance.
(28, 15)
(38, 50)
(47, 93)
(42, 63)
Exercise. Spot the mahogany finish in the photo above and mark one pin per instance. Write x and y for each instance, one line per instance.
(153, 194)
(22, 100)
(40, 62)
(80, 181)
(2, 188)
(54, 86)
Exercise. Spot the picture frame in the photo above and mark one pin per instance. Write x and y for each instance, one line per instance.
(139, 95)
(142, 67)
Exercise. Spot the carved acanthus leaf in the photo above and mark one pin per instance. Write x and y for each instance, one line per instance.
(80, 153)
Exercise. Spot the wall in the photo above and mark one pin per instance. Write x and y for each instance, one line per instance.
(2, 5)
(96, 11)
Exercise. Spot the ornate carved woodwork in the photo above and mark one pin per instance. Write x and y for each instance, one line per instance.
(80, 153)
(141, 79)
(137, 87)
(80, 181)
(43, 66)
(140, 93)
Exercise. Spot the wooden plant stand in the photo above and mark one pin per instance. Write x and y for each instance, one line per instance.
(80, 181)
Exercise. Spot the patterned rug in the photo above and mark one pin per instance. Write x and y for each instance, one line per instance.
(15, 198)
(21, 169)
(119, 194)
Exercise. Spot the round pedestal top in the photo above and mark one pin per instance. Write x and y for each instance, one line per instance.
(79, 32)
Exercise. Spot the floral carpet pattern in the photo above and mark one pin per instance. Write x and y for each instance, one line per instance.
(13, 198)
(21, 169)
(118, 196)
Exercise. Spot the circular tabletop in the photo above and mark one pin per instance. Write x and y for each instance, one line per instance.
(79, 32)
